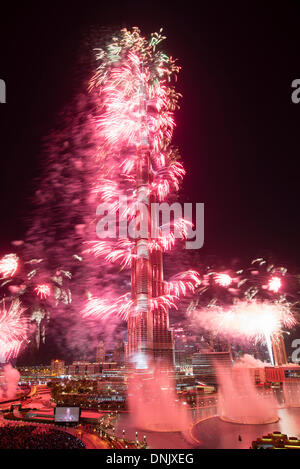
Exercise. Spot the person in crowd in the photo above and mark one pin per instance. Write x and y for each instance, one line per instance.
(37, 437)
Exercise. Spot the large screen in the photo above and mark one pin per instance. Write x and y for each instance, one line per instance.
(67, 414)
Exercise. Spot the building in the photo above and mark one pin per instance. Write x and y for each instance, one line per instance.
(118, 353)
(148, 326)
(57, 367)
(286, 379)
(100, 352)
(282, 374)
(37, 374)
(112, 385)
(204, 365)
(83, 368)
(183, 355)
(279, 352)
(109, 366)
(258, 375)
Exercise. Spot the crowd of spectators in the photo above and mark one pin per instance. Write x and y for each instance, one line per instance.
(37, 437)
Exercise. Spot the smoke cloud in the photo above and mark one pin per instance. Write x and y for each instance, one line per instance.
(10, 380)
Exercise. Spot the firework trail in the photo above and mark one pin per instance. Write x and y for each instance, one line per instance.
(260, 281)
(54, 278)
(246, 305)
(43, 290)
(62, 269)
(91, 158)
(251, 320)
(13, 330)
(8, 265)
(136, 102)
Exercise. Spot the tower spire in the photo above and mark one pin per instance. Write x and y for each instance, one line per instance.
(148, 329)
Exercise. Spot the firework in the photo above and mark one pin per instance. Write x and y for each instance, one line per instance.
(223, 279)
(246, 320)
(138, 105)
(120, 251)
(43, 291)
(103, 308)
(9, 265)
(13, 329)
(184, 282)
(39, 315)
(274, 284)
(137, 100)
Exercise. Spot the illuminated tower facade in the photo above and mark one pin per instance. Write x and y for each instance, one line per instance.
(148, 328)
(137, 101)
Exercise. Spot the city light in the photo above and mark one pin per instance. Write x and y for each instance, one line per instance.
(149, 354)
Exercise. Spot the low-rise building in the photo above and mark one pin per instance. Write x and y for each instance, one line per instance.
(57, 367)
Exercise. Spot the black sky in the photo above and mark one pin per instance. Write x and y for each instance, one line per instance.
(237, 129)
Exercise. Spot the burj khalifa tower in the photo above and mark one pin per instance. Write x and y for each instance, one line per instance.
(148, 328)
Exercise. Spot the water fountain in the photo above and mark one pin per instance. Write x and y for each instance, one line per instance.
(239, 399)
(153, 401)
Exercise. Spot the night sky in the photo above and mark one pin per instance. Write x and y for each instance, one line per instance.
(237, 128)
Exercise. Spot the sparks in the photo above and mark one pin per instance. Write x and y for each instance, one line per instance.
(43, 291)
(9, 265)
(223, 279)
(13, 329)
(104, 308)
(250, 320)
(137, 100)
(274, 284)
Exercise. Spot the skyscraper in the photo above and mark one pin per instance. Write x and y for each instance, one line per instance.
(137, 96)
(100, 352)
(148, 328)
